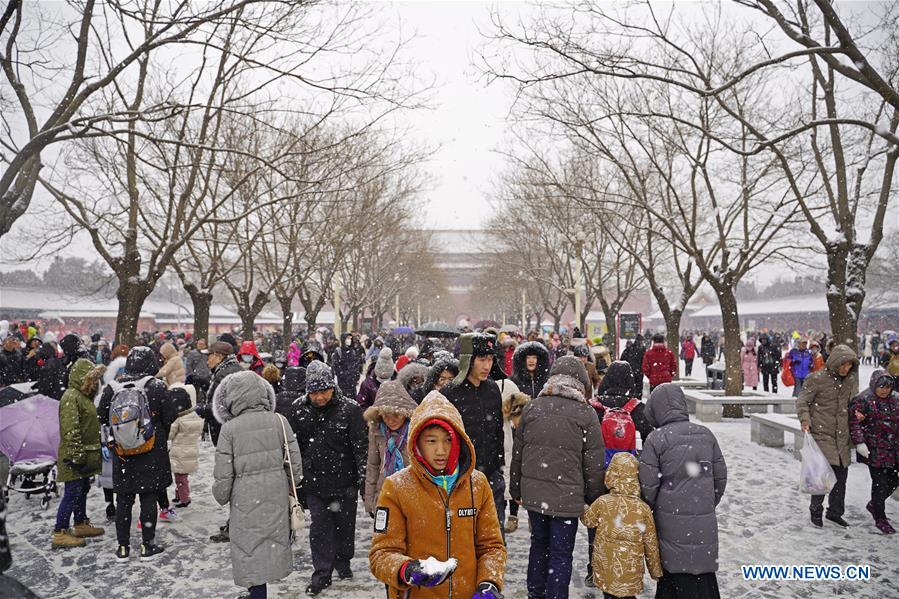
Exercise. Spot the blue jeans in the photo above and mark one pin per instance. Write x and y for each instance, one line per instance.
(797, 386)
(74, 499)
(549, 562)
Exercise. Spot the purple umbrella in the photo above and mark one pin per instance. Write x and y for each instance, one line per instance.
(29, 429)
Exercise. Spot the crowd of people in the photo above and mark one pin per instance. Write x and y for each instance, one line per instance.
(443, 441)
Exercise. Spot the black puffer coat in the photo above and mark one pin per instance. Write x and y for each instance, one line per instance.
(51, 379)
(227, 366)
(482, 414)
(615, 391)
(293, 387)
(527, 382)
(346, 362)
(334, 443)
(149, 471)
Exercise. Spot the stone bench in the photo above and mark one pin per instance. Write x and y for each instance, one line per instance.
(769, 429)
(709, 406)
(684, 383)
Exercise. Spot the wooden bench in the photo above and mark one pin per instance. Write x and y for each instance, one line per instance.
(709, 407)
(769, 429)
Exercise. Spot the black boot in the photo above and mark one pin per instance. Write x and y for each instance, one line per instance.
(838, 521)
(816, 520)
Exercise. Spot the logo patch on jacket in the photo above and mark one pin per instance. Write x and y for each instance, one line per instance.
(468, 512)
(382, 515)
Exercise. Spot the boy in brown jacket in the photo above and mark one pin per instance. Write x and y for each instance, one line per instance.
(438, 508)
(625, 532)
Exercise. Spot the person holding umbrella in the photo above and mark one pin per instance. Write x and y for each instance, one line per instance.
(79, 454)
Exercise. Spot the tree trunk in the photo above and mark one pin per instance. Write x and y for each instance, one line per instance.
(733, 374)
(611, 338)
(248, 310)
(845, 291)
(132, 293)
(202, 302)
(672, 333)
(310, 318)
(287, 321)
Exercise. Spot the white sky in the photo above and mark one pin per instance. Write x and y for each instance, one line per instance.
(468, 119)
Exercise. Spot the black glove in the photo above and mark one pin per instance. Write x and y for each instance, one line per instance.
(301, 498)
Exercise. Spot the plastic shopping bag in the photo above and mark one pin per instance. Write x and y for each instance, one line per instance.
(816, 476)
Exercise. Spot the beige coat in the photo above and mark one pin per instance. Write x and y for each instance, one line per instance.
(392, 398)
(184, 437)
(172, 371)
(823, 404)
(625, 532)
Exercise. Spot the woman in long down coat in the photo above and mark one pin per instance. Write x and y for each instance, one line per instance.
(749, 362)
(250, 476)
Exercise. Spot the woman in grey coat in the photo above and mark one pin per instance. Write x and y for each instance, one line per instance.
(682, 478)
(250, 475)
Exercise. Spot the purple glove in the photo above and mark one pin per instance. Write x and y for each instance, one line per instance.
(487, 590)
(417, 573)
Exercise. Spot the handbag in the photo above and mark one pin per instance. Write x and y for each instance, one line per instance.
(295, 511)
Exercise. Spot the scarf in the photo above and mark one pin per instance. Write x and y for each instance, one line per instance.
(444, 481)
(396, 441)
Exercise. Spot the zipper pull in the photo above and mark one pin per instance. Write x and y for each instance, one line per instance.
(448, 516)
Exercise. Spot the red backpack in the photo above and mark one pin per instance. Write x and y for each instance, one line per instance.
(618, 430)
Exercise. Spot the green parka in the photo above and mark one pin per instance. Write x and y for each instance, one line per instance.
(79, 428)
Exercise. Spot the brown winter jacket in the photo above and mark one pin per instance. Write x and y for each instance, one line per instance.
(392, 398)
(823, 404)
(625, 532)
(414, 519)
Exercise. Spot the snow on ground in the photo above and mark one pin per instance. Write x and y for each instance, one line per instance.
(763, 519)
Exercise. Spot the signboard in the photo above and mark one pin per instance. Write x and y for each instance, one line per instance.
(629, 325)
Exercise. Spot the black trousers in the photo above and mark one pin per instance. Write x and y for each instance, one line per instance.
(688, 586)
(332, 535)
(884, 482)
(836, 500)
(688, 367)
(772, 376)
(147, 516)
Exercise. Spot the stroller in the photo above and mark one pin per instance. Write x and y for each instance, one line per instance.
(29, 438)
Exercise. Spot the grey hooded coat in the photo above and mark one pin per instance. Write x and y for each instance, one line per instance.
(682, 478)
(250, 474)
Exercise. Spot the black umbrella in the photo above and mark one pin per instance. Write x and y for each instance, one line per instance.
(437, 329)
(14, 393)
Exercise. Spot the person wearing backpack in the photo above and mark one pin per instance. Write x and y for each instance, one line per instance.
(139, 446)
(621, 416)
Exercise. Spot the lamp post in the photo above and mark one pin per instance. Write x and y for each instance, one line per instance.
(578, 275)
(337, 323)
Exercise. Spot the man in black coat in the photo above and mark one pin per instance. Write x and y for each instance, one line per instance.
(476, 395)
(12, 364)
(333, 440)
(633, 355)
(72, 351)
(346, 361)
(51, 377)
(144, 475)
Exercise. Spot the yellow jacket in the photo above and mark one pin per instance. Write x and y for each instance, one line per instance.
(625, 532)
(414, 519)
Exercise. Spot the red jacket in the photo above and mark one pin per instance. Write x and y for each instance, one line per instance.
(688, 350)
(659, 364)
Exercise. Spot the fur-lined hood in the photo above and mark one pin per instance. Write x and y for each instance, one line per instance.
(392, 399)
(242, 392)
(410, 371)
(563, 385)
(85, 376)
(514, 404)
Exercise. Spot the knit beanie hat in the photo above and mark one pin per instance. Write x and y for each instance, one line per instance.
(319, 377)
(571, 366)
(384, 366)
